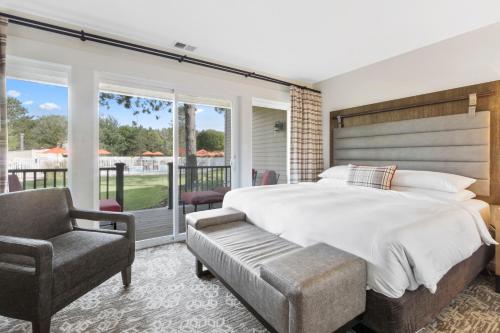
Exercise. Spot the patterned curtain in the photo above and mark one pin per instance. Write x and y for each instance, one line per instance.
(306, 151)
(3, 107)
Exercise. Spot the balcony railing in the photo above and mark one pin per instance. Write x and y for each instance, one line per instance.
(44, 178)
(40, 178)
(199, 178)
(191, 179)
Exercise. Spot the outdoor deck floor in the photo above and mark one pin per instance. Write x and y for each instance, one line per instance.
(157, 222)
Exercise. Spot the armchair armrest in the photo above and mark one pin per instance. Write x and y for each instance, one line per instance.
(40, 250)
(207, 218)
(19, 284)
(93, 215)
(315, 280)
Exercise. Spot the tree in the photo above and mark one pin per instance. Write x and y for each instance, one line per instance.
(50, 131)
(136, 104)
(110, 137)
(146, 139)
(210, 140)
(20, 124)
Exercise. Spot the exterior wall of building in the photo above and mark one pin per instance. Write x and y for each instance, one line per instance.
(268, 144)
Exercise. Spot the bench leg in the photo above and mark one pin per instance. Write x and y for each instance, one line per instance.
(183, 208)
(127, 276)
(195, 208)
(41, 326)
(200, 272)
(497, 283)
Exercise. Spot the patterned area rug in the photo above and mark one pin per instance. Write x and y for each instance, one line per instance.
(165, 296)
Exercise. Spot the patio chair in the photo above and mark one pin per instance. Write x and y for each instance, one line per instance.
(14, 183)
(110, 205)
(270, 177)
(200, 198)
(47, 261)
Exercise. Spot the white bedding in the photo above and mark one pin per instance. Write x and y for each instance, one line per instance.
(407, 239)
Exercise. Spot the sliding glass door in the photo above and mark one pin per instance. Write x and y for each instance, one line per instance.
(204, 161)
(135, 157)
(161, 156)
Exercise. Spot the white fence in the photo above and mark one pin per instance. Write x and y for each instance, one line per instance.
(36, 159)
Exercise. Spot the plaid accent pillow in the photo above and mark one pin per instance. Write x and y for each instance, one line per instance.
(371, 176)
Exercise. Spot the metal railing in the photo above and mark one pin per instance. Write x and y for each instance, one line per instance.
(40, 178)
(198, 178)
(44, 178)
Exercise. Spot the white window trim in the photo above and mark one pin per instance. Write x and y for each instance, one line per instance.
(37, 71)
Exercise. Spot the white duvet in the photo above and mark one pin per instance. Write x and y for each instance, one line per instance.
(407, 239)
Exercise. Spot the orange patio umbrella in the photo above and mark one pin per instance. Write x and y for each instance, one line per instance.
(103, 152)
(157, 153)
(202, 153)
(55, 150)
(217, 154)
(147, 153)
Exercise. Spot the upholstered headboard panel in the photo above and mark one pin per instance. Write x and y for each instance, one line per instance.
(458, 144)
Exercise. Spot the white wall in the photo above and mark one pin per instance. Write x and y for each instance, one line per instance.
(87, 62)
(468, 59)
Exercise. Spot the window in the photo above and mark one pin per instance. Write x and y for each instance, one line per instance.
(269, 146)
(38, 133)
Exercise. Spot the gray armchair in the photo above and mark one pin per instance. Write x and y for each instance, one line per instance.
(47, 261)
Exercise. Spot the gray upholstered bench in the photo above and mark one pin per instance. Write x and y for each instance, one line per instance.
(287, 287)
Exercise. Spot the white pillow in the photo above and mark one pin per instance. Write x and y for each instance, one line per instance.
(337, 172)
(439, 181)
(332, 182)
(457, 196)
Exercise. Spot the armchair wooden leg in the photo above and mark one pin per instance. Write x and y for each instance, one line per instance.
(41, 326)
(127, 276)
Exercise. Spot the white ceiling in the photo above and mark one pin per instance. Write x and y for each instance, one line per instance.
(306, 41)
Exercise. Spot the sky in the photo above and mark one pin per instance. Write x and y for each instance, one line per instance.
(44, 99)
(39, 99)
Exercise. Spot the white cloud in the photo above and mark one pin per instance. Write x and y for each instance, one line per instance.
(13, 93)
(28, 102)
(199, 110)
(49, 106)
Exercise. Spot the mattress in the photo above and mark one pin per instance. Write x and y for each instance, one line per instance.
(407, 239)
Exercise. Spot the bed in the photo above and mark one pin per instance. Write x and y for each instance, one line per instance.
(421, 251)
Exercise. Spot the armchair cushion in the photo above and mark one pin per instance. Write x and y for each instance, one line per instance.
(80, 255)
(36, 214)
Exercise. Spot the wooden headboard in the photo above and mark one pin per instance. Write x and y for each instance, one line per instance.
(442, 103)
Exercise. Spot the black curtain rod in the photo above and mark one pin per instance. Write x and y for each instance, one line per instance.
(84, 36)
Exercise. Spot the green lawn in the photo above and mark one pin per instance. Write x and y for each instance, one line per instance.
(140, 192)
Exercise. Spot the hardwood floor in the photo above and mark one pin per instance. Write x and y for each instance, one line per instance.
(157, 222)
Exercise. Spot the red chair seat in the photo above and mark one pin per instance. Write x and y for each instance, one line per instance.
(201, 197)
(222, 190)
(109, 205)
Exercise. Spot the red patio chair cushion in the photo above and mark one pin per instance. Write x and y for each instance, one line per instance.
(109, 205)
(222, 190)
(201, 197)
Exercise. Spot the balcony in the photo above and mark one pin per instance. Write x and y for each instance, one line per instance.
(119, 183)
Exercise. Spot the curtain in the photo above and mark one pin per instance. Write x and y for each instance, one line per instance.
(3, 107)
(306, 150)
